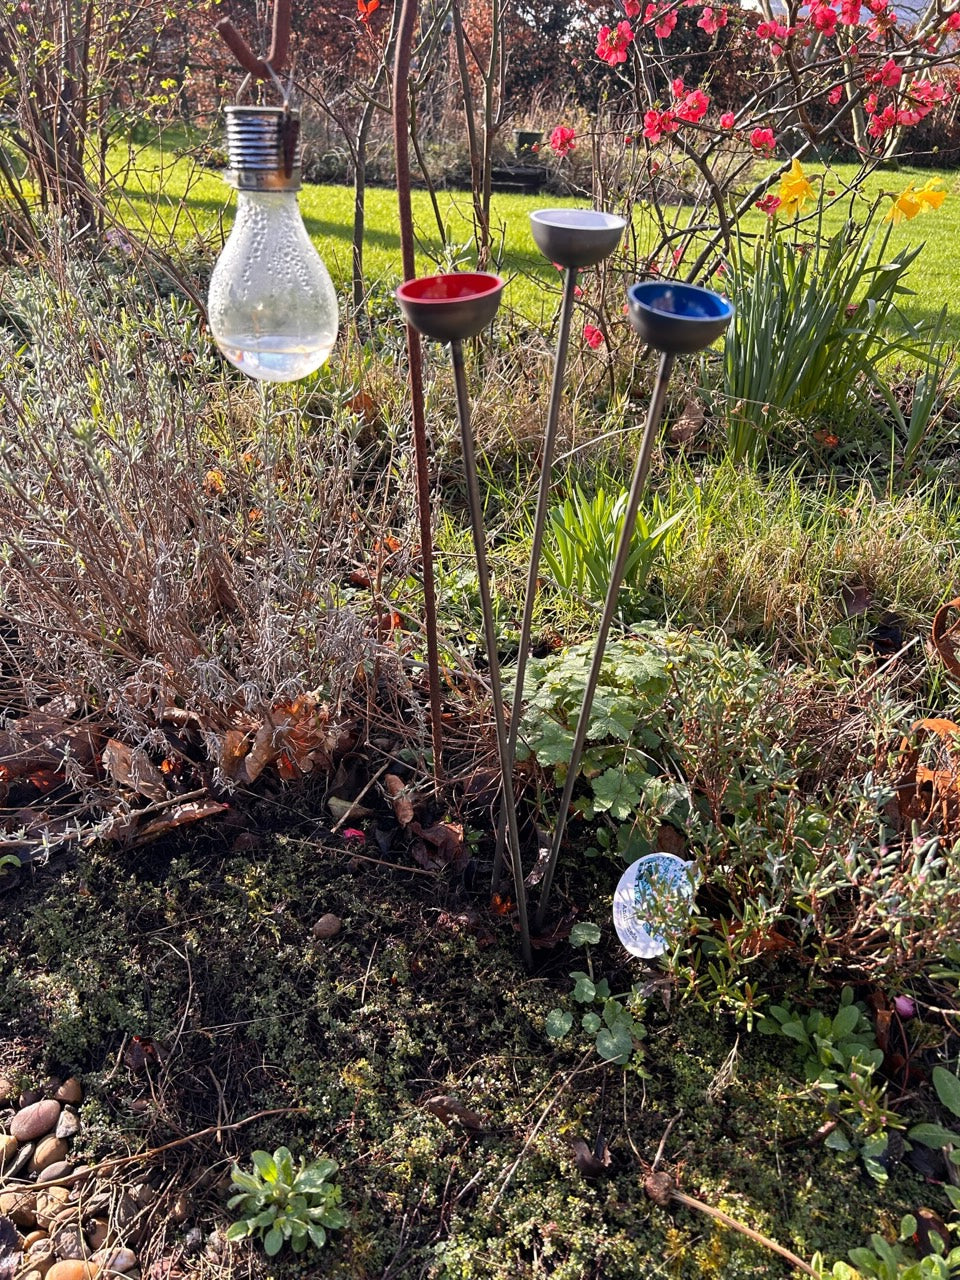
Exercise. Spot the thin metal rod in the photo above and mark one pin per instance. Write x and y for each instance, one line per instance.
(654, 415)
(421, 452)
(490, 636)
(539, 527)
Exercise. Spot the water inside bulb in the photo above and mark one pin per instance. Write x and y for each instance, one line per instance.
(273, 357)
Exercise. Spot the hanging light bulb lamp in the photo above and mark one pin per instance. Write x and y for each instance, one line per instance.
(272, 306)
(676, 319)
(572, 239)
(450, 308)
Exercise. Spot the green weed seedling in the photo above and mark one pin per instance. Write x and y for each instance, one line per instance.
(840, 1057)
(280, 1203)
(897, 1261)
(612, 1020)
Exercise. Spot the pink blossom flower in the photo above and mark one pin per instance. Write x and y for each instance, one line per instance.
(712, 20)
(889, 75)
(657, 123)
(592, 336)
(769, 204)
(632, 8)
(850, 12)
(664, 21)
(353, 835)
(612, 43)
(693, 107)
(823, 18)
(835, 94)
(677, 86)
(906, 1007)
(763, 140)
(563, 140)
(953, 21)
(728, 120)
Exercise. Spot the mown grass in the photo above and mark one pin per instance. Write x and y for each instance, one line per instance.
(162, 194)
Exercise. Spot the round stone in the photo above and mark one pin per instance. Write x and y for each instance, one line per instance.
(8, 1149)
(69, 1242)
(116, 1259)
(328, 926)
(28, 1097)
(32, 1237)
(54, 1172)
(49, 1203)
(70, 1091)
(35, 1120)
(40, 1256)
(97, 1231)
(49, 1151)
(20, 1207)
(73, 1269)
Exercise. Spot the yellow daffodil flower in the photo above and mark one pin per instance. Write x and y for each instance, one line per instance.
(795, 191)
(912, 201)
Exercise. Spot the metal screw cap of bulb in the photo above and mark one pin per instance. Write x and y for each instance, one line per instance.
(263, 146)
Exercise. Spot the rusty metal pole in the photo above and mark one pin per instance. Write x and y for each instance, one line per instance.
(401, 113)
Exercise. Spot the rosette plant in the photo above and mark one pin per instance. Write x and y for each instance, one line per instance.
(279, 1202)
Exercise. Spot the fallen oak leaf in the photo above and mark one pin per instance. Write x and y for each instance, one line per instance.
(132, 769)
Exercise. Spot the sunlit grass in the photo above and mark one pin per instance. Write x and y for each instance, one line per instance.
(164, 194)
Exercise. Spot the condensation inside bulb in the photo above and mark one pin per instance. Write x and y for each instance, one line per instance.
(273, 358)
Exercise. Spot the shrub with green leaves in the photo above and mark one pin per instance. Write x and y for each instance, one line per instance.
(279, 1202)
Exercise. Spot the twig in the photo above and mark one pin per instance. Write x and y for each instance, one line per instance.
(661, 1190)
(214, 1129)
(755, 1236)
(538, 1126)
(353, 803)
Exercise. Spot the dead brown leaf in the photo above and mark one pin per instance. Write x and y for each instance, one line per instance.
(588, 1162)
(439, 846)
(448, 1108)
(131, 768)
(179, 816)
(399, 798)
(856, 599)
(688, 424)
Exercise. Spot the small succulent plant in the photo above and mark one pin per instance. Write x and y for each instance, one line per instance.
(279, 1202)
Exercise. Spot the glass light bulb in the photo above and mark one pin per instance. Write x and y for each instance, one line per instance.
(272, 305)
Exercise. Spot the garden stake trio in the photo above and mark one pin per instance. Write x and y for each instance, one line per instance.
(279, 328)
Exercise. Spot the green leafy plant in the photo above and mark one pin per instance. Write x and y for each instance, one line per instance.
(585, 533)
(280, 1202)
(840, 1058)
(612, 1020)
(813, 324)
(883, 1260)
(634, 682)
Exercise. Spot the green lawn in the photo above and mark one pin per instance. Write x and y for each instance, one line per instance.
(163, 194)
